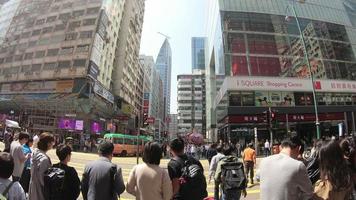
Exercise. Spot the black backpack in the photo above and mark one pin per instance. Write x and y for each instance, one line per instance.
(54, 182)
(192, 182)
(313, 168)
(232, 174)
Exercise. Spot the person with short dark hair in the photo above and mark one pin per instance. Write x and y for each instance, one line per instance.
(214, 161)
(175, 166)
(71, 185)
(102, 179)
(18, 155)
(26, 174)
(283, 176)
(14, 189)
(211, 152)
(149, 181)
(40, 164)
(249, 158)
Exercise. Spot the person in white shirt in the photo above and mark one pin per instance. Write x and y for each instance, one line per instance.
(214, 164)
(12, 190)
(18, 155)
(267, 148)
(283, 176)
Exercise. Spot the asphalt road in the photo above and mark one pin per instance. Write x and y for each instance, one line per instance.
(80, 159)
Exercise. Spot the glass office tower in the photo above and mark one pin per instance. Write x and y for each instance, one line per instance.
(252, 38)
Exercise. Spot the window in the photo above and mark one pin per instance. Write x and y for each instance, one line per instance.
(40, 21)
(36, 32)
(63, 64)
(64, 16)
(78, 13)
(47, 30)
(32, 43)
(51, 19)
(18, 57)
(25, 68)
(74, 25)
(28, 56)
(2, 60)
(36, 67)
(79, 63)
(60, 27)
(8, 59)
(52, 52)
(88, 22)
(91, 11)
(66, 50)
(40, 54)
(71, 36)
(25, 34)
(83, 48)
(49, 66)
(86, 34)
(67, 5)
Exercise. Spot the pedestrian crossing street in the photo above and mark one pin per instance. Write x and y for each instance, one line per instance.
(79, 160)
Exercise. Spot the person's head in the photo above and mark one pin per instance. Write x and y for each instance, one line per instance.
(213, 145)
(347, 146)
(64, 153)
(228, 150)
(333, 166)
(219, 149)
(45, 142)
(29, 142)
(292, 146)
(152, 153)
(106, 149)
(250, 145)
(23, 137)
(177, 146)
(6, 165)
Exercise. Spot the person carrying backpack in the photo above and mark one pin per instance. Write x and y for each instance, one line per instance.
(230, 176)
(186, 173)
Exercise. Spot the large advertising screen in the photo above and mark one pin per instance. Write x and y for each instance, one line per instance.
(96, 127)
(70, 124)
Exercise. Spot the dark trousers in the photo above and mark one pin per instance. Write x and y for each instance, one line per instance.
(25, 179)
(249, 170)
(267, 153)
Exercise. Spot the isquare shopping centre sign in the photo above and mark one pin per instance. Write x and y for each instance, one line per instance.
(255, 83)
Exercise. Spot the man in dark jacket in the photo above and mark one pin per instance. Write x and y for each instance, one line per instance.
(102, 179)
(71, 185)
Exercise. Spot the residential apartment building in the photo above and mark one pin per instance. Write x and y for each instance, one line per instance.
(57, 61)
(262, 56)
(173, 126)
(191, 103)
(128, 72)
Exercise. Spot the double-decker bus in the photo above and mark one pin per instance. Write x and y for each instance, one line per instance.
(126, 145)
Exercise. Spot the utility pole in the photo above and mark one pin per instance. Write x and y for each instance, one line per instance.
(270, 125)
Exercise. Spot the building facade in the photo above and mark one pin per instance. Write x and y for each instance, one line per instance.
(56, 65)
(191, 103)
(198, 53)
(164, 68)
(128, 72)
(255, 42)
(173, 126)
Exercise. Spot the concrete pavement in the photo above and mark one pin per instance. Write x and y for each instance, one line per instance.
(80, 159)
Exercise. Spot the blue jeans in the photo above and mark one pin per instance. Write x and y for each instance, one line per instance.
(231, 195)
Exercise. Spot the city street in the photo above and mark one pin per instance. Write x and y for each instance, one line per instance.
(80, 159)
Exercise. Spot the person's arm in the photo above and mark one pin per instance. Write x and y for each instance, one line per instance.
(217, 176)
(44, 166)
(254, 158)
(75, 183)
(303, 182)
(23, 157)
(85, 184)
(119, 182)
(131, 183)
(212, 168)
(174, 176)
(167, 187)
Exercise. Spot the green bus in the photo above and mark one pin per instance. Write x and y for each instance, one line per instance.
(126, 145)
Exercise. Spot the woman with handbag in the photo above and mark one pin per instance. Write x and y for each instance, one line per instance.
(335, 177)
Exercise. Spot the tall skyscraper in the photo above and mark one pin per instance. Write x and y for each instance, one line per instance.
(164, 68)
(198, 53)
(262, 55)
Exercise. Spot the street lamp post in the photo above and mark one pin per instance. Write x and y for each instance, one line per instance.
(317, 124)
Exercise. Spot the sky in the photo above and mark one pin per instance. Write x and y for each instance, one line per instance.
(180, 20)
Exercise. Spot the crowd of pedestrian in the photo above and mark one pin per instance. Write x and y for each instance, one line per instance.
(26, 172)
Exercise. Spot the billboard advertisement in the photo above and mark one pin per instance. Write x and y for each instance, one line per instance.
(68, 124)
(95, 127)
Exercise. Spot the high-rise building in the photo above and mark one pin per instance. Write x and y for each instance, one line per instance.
(57, 60)
(191, 103)
(262, 55)
(173, 126)
(198, 53)
(164, 68)
(128, 73)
